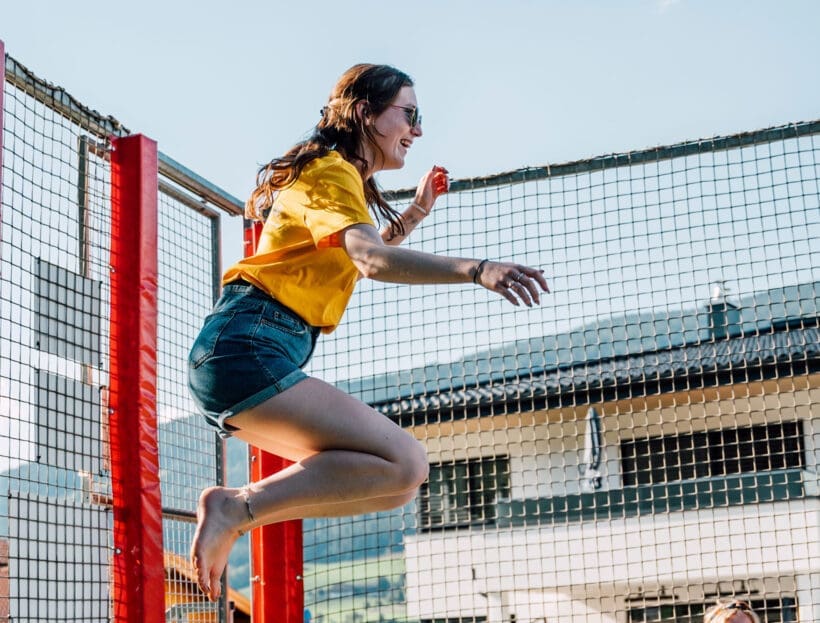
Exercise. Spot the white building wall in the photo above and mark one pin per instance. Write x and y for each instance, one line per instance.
(448, 572)
(808, 597)
(452, 573)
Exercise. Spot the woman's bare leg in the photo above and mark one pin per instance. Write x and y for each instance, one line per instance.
(350, 460)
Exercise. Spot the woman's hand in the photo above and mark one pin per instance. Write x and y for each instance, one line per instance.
(432, 185)
(512, 281)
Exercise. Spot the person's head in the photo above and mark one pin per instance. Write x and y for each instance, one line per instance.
(735, 611)
(371, 118)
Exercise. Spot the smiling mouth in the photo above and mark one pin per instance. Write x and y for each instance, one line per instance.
(405, 143)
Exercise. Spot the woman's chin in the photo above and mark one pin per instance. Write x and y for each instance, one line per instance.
(395, 163)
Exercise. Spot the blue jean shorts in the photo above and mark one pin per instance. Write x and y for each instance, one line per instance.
(250, 348)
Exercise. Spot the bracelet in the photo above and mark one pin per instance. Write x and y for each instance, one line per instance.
(477, 272)
(419, 208)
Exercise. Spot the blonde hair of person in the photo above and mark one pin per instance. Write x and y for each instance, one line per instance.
(724, 611)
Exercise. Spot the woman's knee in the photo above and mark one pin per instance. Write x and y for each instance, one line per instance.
(413, 466)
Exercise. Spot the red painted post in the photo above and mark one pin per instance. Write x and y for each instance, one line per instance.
(138, 572)
(278, 593)
(276, 550)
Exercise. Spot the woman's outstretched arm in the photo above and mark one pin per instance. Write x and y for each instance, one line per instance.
(375, 260)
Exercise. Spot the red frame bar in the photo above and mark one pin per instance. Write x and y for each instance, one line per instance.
(276, 549)
(138, 572)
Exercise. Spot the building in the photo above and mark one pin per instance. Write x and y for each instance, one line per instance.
(703, 481)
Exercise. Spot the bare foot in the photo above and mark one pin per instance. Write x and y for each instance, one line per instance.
(221, 516)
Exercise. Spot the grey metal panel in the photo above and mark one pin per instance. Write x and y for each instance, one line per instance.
(68, 313)
(59, 561)
(68, 427)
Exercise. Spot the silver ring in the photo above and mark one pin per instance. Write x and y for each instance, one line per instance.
(518, 276)
(508, 284)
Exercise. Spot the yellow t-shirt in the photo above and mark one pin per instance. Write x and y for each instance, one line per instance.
(298, 260)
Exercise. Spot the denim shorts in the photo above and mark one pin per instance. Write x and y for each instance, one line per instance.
(250, 348)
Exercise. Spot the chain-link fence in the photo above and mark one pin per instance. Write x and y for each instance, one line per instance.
(57, 534)
(645, 442)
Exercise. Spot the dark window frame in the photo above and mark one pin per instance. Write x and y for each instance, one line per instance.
(781, 609)
(478, 482)
(713, 453)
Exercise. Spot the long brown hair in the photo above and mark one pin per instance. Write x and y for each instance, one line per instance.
(342, 129)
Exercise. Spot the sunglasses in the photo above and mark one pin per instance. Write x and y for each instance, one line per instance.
(412, 114)
(738, 605)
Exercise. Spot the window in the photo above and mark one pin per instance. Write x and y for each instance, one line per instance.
(712, 453)
(463, 493)
(457, 620)
(782, 610)
(678, 613)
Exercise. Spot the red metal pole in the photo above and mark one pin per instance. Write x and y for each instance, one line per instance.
(276, 550)
(138, 573)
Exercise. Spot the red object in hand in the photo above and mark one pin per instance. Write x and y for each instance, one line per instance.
(441, 181)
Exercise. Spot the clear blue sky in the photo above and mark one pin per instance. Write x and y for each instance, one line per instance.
(224, 86)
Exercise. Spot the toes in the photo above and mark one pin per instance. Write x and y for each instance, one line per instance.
(201, 571)
(216, 587)
(201, 576)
